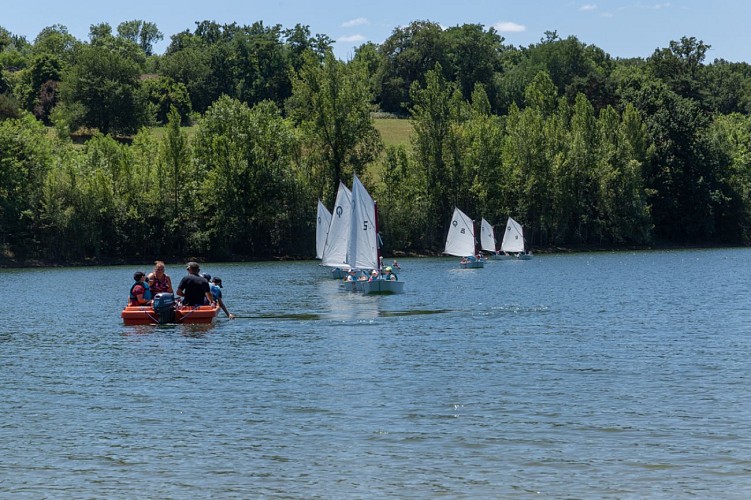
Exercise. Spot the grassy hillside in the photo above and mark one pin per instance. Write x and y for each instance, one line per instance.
(394, 131)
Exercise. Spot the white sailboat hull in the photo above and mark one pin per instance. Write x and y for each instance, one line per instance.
(511, 256)
(499, 256)
(381, 287)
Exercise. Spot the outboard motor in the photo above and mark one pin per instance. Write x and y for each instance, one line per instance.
(164, 307)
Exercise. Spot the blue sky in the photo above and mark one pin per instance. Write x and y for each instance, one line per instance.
(623, 28)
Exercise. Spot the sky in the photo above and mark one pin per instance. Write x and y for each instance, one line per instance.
(622, 28)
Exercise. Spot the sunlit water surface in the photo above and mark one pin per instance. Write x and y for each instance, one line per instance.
(620, 375)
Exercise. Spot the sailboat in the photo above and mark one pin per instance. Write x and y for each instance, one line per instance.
(363, 250)
(337, 237)
(460, 241)
(487, 239)
(513, 241)
(323, 221)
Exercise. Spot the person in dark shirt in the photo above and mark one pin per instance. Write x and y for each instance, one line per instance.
(193, 288)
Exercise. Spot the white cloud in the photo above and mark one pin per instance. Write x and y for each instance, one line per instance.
(355, 22)
(654, 6)
(350, 38)
(509, 27)
(587, 7)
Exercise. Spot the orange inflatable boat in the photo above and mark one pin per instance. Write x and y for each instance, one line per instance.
(145, 315)
(167, 311)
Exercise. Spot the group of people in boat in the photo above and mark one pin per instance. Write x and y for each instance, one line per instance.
(387, 273)
(472, 258)
(195, 289)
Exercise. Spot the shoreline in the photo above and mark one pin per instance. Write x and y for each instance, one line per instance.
(12, 263)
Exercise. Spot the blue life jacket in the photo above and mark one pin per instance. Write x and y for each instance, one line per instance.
(146, 293)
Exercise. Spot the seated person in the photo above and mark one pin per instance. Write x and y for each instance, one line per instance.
(215, 284)
(373, 275)
(389, 275)
(350, 276)
(159, 281)
(194, 288)
(140, 293)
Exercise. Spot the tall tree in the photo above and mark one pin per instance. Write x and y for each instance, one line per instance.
(409, 53)
(25, 158)
(250, 193)
(331, 103)
(679, 66)
(104, 84)
(681, 173)
(143, 33)
(435, 115)
(56, 41)
(475, 57)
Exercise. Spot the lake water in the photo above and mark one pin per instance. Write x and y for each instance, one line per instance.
(623, 375)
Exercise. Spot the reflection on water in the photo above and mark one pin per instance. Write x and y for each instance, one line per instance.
(583, 375)
(338, 317)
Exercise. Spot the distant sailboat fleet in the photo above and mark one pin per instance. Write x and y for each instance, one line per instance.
(461, 241)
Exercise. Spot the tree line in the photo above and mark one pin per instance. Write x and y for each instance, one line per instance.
(582, 148)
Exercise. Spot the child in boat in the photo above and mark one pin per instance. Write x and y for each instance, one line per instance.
(140, 293)
(215, 285)
(389, 275)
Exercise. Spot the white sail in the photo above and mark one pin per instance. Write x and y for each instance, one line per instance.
(460, 240)
(513, 238)
(335, 250)
(487, 236)
(323, 221)
(362, 252)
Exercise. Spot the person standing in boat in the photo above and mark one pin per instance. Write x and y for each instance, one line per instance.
(140, 294)
(193, 288)
(162, 282)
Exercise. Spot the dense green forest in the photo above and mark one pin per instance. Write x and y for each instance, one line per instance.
(585, 150)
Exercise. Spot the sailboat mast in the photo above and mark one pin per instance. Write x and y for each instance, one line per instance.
(378, 237)
(474, 237)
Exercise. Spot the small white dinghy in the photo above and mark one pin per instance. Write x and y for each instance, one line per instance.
(334, 254)
(460, 241)
(363, 248)
(513, 241)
